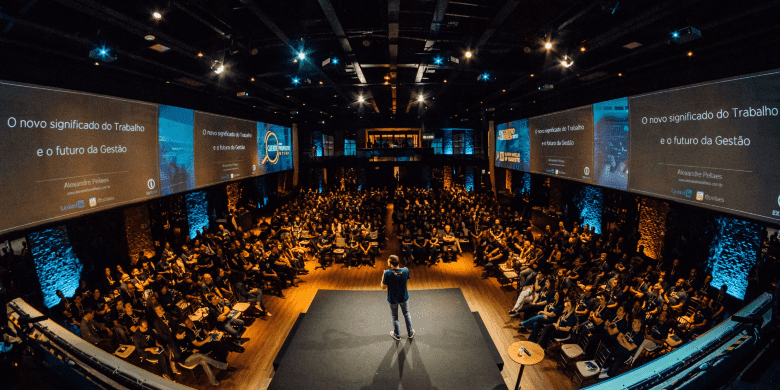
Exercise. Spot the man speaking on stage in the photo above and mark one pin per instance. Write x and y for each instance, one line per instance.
(394, 280)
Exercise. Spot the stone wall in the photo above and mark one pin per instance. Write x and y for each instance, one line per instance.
(56, 264)
(652, 226)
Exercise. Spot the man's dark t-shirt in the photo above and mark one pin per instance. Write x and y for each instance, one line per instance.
(395, 280)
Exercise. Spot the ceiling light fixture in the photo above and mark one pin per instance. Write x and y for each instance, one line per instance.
(149, 37)
(582, 48)
(548, 45)
(420, 98)
(437, 60)
(468, 54)
(200, 54)
(157, 15)
(360, 99)
(690, 54)
(296, 80)
(567, 62)
(301, 55)
(252, 79)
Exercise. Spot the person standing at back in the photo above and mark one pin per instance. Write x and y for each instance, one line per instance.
(394, 281)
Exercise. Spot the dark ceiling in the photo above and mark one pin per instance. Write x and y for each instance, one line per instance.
(386, 51)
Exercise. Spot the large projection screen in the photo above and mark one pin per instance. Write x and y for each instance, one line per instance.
(68, 153)
(562, 144)
(713, 145)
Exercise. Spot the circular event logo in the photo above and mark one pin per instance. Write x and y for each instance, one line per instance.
(587, 171)
(151, 184)
(276, 156)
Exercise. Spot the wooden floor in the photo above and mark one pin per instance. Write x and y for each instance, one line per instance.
(254, 367)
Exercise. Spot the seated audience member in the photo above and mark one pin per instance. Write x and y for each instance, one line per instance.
(324, 246)
(528, 295)
(221, 315)
(267, 273)
(548, 315)
(420, 244)
(186, 353)
(561, 328)
(251, 295)
(365, 248)
(95, 332)
(676, 297)
(614, 327)
(699, 321)
(628, 342)
(656, 332)
(149, 347)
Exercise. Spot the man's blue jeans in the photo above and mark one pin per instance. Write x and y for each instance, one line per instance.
(407, 317)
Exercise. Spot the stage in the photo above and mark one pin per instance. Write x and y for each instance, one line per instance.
(344, 342)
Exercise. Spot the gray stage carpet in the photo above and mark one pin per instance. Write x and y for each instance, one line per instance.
(344, 342)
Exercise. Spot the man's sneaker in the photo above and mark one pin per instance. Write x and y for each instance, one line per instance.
(411, 336)
(396, 338)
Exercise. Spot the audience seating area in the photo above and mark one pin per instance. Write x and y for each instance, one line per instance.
(596, 302)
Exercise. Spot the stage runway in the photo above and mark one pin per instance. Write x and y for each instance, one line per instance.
(343, 342)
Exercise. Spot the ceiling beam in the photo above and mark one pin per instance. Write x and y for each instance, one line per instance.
(283, 37)
(22, 11)
(438, 18)
(498, 20)
(333, 19)
(393, 18)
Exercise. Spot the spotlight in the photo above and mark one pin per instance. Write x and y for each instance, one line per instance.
(301, 55)
(149, 37)
(675, 34)
(200, 54)
(335, 61)
(101, 54)
(157, 15)
(620, 74)
(567, 62)
(690, 54)
(220, 69)
(360, 99)
(582, 48)
(548, 45)
(484, 76)
(420, 98)
(437, 60)
(468, 54)
(296, 80)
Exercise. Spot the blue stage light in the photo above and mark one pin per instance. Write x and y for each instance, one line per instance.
(301, 55)
(296, 81)
(485, 76)
(335, 61)
(675, 34)
(438, 60)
